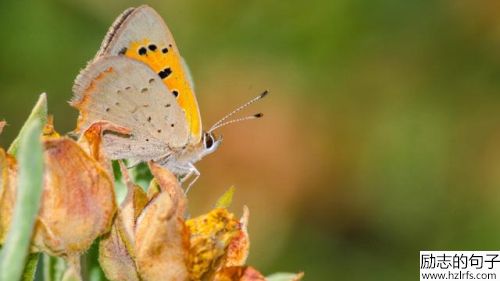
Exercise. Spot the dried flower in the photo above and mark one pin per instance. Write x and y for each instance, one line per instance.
(150, 240)
(78, 200)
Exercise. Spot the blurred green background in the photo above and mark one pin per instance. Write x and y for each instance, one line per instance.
(382, 131)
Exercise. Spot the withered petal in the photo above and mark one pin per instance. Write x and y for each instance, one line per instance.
(169, 183)
(161, 239)
(48, 128)
(115, 259)
(251, 274)
(239, 247)
(238, 273)
(91, 141)
(153, 189)
(130, 209)
(73, 272)
(78, 201)
(8, 181)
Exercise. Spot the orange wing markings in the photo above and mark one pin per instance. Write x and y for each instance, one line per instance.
(166, 61)
(82, 102)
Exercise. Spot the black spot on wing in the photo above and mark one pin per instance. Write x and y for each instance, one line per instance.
(175, 93)
(142, 51)
(152, 47)
(165, 73)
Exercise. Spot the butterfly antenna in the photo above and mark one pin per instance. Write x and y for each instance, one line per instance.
(223, 122)
(255, 116)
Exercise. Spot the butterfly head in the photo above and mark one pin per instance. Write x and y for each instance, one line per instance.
(210, 143)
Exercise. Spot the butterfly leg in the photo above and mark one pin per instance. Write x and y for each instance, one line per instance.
(192, 172)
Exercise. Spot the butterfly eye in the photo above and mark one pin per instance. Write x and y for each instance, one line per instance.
(209, 141)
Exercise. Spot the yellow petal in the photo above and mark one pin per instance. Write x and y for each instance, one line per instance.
(78, 201)
(210, 235)
(161, 238)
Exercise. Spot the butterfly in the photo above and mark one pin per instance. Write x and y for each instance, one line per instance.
(138, 80)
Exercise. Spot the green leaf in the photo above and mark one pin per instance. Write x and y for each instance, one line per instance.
(53, 268)
(30, 268)
(284, 277)
(226, 199)
(39, 112)
(29, 190)
(91, 270)
(141, 175)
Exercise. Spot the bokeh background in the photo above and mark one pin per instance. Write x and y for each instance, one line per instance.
(381, 135)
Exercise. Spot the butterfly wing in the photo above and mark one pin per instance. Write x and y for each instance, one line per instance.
(128, 93)
(140, 33)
